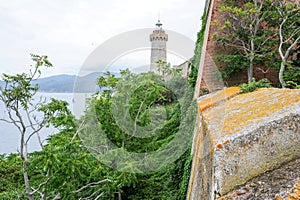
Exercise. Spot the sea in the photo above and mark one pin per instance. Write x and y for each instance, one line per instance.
(9, 135)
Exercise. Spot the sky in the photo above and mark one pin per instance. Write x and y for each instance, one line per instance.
(68, 31)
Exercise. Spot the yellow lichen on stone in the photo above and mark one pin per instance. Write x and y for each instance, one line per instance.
(218, 97)
(246, 109)
(295, 192)
(259, 104)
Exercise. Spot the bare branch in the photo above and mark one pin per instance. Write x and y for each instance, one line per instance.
(291, 47)
(93, 194)
(39, 187)
(57, 197)
(94, 184)
(80, 128)
(293, 34)
(99, 195)
(36, 130)
(6, 121)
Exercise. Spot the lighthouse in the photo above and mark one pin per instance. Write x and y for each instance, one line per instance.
(158, 41)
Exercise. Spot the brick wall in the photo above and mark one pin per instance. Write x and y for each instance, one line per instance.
(209, 65)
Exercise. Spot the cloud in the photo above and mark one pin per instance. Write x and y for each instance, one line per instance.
(68, 31)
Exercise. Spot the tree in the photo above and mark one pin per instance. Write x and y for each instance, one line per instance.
(66, 169)
(125, 114)
(150, 93)
(243, 30)
(108, 80)
(165, 70)
(18, 95)
(75, 172)
(288, 28)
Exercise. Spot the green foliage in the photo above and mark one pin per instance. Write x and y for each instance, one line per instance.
(18, 88)
(245, 30)
(71, 167)
(235, 62)
(292, 72)
(166, 71)
(197, 53)
(11, 179)
(251, 86)
(171, 181)
(66, 168)
(18, 96)
(11, 195)
(263, 32)
(286, 20)
(150, 93)
(59, 115)
(108, 80)
(292, 85)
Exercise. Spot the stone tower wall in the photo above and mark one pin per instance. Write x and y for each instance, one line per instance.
(158, 48)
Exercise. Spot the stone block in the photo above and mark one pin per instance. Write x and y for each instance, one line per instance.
(242, 137)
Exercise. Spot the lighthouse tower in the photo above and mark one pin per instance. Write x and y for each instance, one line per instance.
(158, 41)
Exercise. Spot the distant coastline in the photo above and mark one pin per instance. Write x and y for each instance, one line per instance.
(67, 83)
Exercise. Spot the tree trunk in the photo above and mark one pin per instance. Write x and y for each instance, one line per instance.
(26, 181)
(24, 157)
(250, 71)
(282, 68)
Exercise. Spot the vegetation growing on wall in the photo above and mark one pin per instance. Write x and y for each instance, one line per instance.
(197, 53)
(169, 182)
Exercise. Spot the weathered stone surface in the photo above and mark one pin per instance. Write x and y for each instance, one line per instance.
(242, 138)
(281, 183)
(158, 48)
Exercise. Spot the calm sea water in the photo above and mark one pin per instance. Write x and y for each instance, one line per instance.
(10, 137)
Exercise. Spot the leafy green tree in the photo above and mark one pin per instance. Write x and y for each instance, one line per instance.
(235, 62)
(18, 95)
(244, 30)
(152, 93)
(287, 23)
(292, 72)
(166, 71)
(108, 80)
(75, 171)
(66, 169)
(163, 68)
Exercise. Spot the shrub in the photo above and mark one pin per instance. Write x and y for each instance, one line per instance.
(292, 85)
(251, 86)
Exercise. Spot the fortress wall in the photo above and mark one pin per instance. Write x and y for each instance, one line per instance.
(241, 137)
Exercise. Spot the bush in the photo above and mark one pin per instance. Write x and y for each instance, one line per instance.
(292, 74)
(197, 53)
(292, 85)
(250, 87)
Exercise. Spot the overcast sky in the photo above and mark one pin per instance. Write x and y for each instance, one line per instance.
(69, 30)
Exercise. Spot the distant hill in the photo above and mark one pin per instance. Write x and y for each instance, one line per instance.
(65, 83)
(59, 83)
